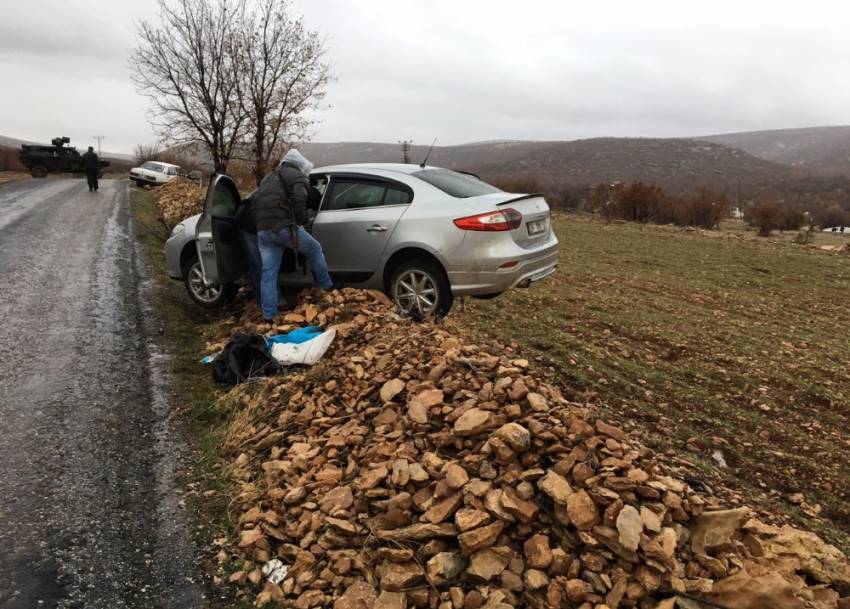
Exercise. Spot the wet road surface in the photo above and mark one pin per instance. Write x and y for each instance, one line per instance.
(89, 513)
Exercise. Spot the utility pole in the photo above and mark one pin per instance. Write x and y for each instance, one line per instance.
(99, 138)
(405, 151)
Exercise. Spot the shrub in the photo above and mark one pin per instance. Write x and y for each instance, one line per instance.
(832, 216)
(792, 218)
(523, 184)
(705, 209)
(638, 202)
(9, 160)
(765, 215)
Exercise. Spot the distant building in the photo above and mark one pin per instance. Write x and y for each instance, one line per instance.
(737, 213)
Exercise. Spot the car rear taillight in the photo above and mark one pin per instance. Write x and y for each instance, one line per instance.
(502, 220)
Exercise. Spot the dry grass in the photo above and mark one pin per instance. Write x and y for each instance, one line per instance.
(9, 176)
(703, 342)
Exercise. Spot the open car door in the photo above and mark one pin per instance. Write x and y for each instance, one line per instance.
(217, 238)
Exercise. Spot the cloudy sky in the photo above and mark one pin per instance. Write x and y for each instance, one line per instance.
(468, 70)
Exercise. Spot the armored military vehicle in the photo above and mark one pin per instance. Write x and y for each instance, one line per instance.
(56, 158)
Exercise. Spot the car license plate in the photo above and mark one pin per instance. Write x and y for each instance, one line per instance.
(535, 227)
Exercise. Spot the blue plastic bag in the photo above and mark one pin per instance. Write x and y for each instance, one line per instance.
(301, 335)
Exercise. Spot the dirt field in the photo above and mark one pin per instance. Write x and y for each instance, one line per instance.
(720, 346)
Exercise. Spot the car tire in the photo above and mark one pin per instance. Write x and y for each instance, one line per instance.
(208, 297)
(421, 288)
(39, 171)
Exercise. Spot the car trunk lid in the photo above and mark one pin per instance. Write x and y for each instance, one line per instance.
(535, 225)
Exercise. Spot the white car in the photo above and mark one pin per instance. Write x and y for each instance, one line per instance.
(154, 173)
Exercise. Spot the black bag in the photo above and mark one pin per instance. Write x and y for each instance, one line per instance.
(245, 356)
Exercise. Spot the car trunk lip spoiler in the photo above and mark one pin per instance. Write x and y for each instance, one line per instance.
(521, 198)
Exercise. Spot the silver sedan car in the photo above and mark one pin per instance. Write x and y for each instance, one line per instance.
(423, 235)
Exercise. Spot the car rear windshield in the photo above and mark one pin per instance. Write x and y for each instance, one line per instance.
(455, 184)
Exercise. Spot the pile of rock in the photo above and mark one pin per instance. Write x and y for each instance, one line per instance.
(178, 199)
(409, 469)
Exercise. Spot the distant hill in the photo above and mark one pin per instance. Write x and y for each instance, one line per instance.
(10, 142)
(662, 160)
(822, 150)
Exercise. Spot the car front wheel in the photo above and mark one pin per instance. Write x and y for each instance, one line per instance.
(207, 296)
(420, 287)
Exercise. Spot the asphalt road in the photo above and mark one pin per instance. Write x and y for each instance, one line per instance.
(89, 513)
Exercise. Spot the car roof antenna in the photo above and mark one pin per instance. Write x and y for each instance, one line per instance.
(427, 154)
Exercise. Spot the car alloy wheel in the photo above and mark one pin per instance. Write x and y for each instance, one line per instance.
(202, 291)
(416, 290)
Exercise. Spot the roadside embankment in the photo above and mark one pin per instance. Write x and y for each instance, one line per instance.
(412, 468)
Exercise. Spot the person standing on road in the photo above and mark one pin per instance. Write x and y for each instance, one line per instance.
(91, 167)
(280, 210)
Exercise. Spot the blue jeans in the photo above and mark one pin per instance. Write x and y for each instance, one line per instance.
(272, 243)
(252, 253)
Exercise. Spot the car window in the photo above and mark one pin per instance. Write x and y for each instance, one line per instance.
(357, 194)
(397, 196)
(455, 184)
(152, 166)
(224, 201)
(172, 171)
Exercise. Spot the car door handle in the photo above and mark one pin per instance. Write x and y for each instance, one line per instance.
(376, 228)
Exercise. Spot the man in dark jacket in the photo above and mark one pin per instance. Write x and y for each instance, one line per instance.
(280, 210)
(91, 167)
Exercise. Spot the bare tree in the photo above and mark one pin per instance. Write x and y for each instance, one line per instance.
(284, 75)
(147, 152)
(186, 64)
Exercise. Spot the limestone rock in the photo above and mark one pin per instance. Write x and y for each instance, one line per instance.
(489, 563)
(651, 521)
(390, 389)
(467, 519)
(390, 600)
(803, 552)
(397, 576)
(442, 510)
(582, 511)
(445, 566)
(630, 526)
(358, 595)
(556, 486)
(537, 402)
(537, 552)
(455, 476)
(480, 538)
(577, 590)
(418, 406)
(713, 531)
(472, 422)
(535, 579)
(514, 435)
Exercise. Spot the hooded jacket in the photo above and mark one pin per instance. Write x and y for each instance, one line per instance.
(281, 198)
